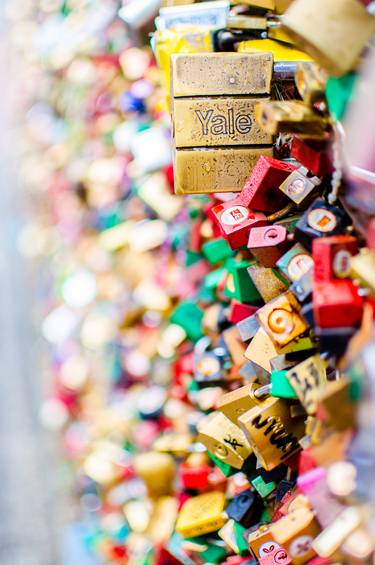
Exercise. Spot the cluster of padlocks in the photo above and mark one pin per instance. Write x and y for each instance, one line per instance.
(212, 353)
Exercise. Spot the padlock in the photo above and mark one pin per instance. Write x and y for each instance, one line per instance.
(277, 556)
(157, 470)
(234, 403)
(248, 327)
(272, 433)
(216, 137)
(245, 508)
(268, 244)
(224, 440)
(290, 116)
(308, 379)
(281, 319)
(260, 541)
(363, 269)
(337, 304)
(261, 350)
(302, 287)
(310, 82)
(238, 311)
(239, 284)
(333, 32)
(261, 188)
(296, 533)
(194, 477)
(331, 538)
(264, 488)
(231, 534)
(280, 385)
(267, 281)
(332, 257)
(320, 220)
(312, 154)
(235, 221)
(201, 514)
(244, 22)
(298, 185)
(337, 393)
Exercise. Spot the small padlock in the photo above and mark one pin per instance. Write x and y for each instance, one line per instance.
(308, 379)
(201, 514)
(332, 257)
(298, 185)
(234, 403)
(296, 533)
(320, 220)
(337, 304)
(268, 244)
(245, 508)
(261, 189)
(235, 221)
(295, 263)
(268, 281)
(290, 116)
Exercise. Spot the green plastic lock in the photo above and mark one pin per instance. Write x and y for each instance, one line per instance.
(239, 531)
(262, 487)
(189, 316)
(280, 386)
(240, 285)
(216, 250)
(339, 92)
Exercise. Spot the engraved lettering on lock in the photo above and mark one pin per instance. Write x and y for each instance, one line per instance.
(221, 124)
(287, 443)
(233, 442)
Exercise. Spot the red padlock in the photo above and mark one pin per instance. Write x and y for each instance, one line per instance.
(332, 256)
(312, 154)
(337, 304)
(235, 221)
(268, 244)
(261, 191)
(239, 311)
(194, 477)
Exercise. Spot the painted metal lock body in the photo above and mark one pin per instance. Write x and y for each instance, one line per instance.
(320, 220)
(334, 33)
(245, 508)
(208, 367)
(239, 285)
(308, 379)
(363, 269)
(332, 257)
(213, 105)
(235, 221)
(312, 154)
(261, 188)
(296, 533)
(272, 433)
(238, 311)
(268, 244)
(224, 439)
(296, 263)
(281, 319)
(260, 540)
(298, 185)
(337, 304)
(290, 116)
(201, 515)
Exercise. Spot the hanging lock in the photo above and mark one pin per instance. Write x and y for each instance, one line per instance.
(320, 220)
(224, 440)
(268, 244)
(298, 185)
(332, 257)
(271, 431)
(295, 263)
(296, 533)
(290, 116)
(201, 515)
(337, 304)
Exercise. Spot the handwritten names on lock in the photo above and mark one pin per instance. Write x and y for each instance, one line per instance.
(308, 379)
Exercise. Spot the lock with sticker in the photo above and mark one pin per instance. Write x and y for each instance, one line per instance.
(268, 244)
(332, 257)
(298, 186)
(320, 220)
(235, 221)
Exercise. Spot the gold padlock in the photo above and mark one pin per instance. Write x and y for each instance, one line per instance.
(333, 32)
(201, 515)
(363, 269)
(290, 116)
(224, 440)
(310, 82)
(157, 471)
(308, 380)
(234, 404)
(281, 319)
(296, 533)
(272, 433)
(268, 284)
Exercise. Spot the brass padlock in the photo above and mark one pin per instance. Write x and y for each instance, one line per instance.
(234, 404)
(290, 116)
(308, 380)
(201, 515)
(271, 431)
(296, 533)
(224, 440)
(217, 140)
(333, 32)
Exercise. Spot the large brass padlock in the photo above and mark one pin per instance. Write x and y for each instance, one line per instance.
(213, 105)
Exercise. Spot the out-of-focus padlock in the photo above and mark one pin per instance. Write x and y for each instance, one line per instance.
(308, 379)
(320, 220)
(310, 82)
(296, 533)
(332, 257)
(268, 244)
(333, 32)
(337, 304)
(235, 221)
(298, 185)
(295, 263)
(224, 440)
(245, 508)
(201, 515)
(290, 116)
(272, 433)
(281, 319)
(362, 268)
